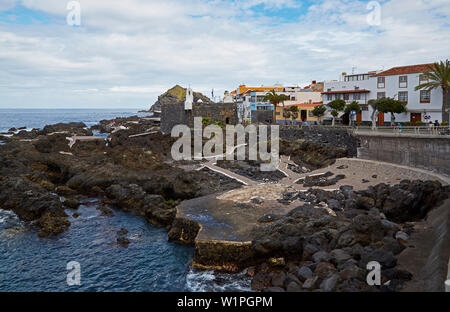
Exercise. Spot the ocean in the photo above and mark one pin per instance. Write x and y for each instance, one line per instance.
(38, 118)
(150, 263)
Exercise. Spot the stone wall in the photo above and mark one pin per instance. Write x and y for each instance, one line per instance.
(321, 135)
(175, 114)
(262, 117)
(427, 152)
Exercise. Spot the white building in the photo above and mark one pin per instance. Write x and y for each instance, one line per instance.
(251, 99)
(189, 99)
(398, 83)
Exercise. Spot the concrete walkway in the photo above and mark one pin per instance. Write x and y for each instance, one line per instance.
(359, 173)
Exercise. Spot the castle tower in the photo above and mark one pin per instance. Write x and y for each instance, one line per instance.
(189, 99)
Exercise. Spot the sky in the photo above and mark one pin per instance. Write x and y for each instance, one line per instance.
(123, 54)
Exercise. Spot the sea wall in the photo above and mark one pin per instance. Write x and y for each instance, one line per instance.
(419, 151)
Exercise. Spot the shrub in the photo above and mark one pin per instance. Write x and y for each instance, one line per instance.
(220, 124)
(205, 121)
(407, 123)
(445, 123)
(419, 123)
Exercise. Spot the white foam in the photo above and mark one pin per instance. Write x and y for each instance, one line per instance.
(210, 281)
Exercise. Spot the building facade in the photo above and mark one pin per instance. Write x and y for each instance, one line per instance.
(250, 100)
(304, 113)
(398, 83)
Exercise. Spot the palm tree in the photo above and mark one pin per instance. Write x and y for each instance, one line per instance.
(439, 76)
(275, 99)
(294, 113)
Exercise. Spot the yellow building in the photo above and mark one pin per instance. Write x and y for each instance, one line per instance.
(304, 113)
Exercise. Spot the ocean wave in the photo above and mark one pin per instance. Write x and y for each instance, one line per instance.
(210, 281)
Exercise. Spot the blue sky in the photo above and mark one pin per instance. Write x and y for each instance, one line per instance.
(124, 54)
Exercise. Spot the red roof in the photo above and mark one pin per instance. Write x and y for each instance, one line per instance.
(347, 91)
(402, 70)
(305, 104)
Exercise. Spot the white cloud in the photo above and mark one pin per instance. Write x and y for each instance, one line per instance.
(131, 51)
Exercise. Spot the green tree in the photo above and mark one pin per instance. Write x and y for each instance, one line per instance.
(338, 106)
(353, 106)
(438, 77)
(275, 99)
(319, 111)
(392, 106)
(294, 113)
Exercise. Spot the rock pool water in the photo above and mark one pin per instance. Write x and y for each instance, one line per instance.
(149, 263)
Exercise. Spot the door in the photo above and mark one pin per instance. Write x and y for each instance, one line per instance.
(380, 119)
(359, 118)
(304, 115)
(415, 117)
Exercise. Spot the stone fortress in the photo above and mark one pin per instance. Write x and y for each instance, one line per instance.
(179, 112)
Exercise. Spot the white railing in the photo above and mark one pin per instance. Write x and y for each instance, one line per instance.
(416, 130)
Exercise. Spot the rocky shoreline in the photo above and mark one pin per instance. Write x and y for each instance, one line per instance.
(322, 243)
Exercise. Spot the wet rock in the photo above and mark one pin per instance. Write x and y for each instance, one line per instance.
(352, 271)
(402, 237)
(260, 281)
(122, 232)
(392, 245)
(53, 224)
(334, 204)
(65, 191)
(278, 279)
(304, 273)
(324, 270)
(123, 241)
(339, 256)
(273, 289)
(267, 218)
(105, 210)
(71, 203)
(321, 256)
(308, 251)
(390, 228)
(311, 283)
(367, 229)
(385, 258)
(330, 283)
(294, 287)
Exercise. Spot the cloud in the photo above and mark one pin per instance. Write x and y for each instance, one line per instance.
(132, 51)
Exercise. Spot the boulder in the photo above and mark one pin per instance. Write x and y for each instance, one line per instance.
(304, 273)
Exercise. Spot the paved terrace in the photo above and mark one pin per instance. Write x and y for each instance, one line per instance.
(228, 218)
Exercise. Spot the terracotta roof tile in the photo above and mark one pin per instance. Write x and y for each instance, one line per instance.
(403, 70)
(347, 91)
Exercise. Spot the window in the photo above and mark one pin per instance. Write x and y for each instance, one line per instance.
(329, 97)
(381, 95)
(357, 96)
(253, 99)
(403, 96)
(381, 82)
(403, 82)
(346, 96)
(424, 96)
(423, 79)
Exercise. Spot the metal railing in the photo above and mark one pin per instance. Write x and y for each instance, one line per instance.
(415, 130)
